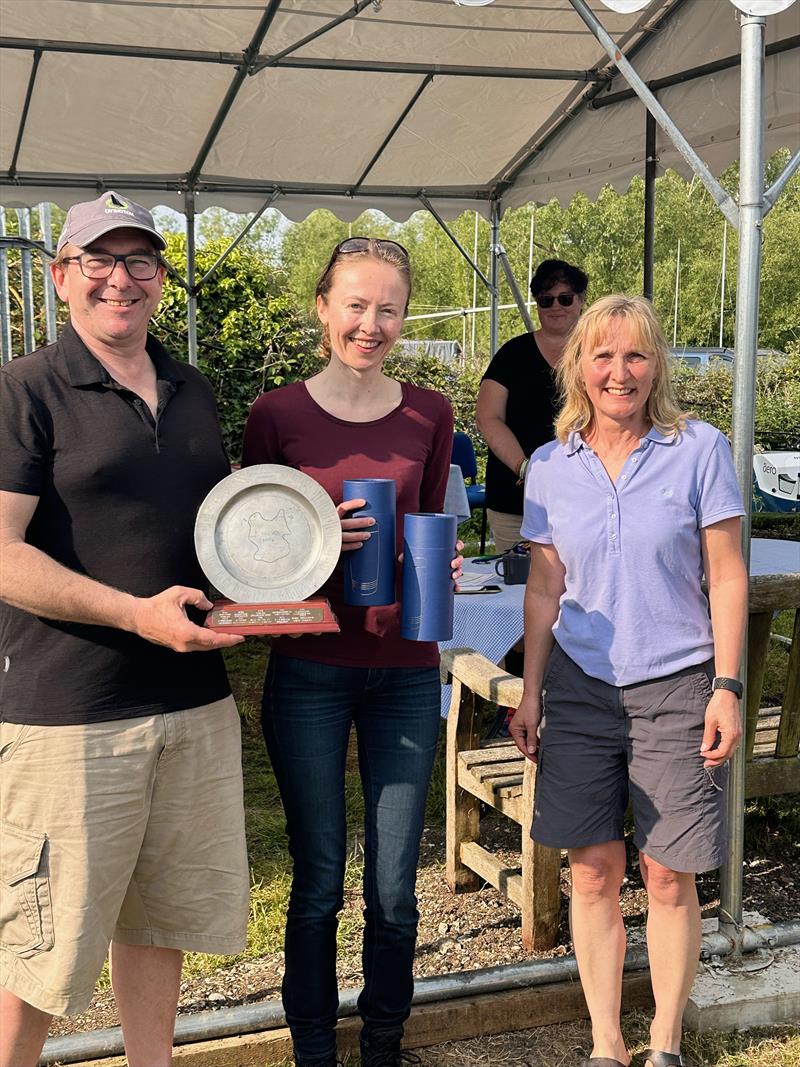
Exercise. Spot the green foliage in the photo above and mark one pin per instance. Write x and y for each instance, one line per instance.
(777, 398)
(307, 245)
(250, 336)
(776, 524)
(460, 386)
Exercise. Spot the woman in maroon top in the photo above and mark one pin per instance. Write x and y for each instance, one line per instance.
(352, 421)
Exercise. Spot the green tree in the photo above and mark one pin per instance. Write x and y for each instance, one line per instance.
(251, 336)
(709, 395)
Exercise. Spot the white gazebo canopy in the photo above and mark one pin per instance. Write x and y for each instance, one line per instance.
(366, 104)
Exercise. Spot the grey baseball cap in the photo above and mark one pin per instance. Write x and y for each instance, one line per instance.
(91, 219)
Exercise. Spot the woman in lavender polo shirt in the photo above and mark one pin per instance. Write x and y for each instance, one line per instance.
(631, 690)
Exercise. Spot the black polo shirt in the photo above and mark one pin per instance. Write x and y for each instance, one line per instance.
(118, 495)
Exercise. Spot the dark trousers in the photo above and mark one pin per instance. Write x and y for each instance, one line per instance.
(307, 713)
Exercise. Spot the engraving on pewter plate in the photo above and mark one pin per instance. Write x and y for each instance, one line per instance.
(269, 536)
(268, 533)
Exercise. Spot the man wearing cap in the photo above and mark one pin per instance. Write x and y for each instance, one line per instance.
(121, 813)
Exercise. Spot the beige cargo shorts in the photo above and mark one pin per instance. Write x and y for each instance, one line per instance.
(131, 830)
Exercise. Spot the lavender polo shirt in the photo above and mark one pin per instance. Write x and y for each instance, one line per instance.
(633, 609)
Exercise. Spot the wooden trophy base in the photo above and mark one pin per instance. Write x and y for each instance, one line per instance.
(314, 616)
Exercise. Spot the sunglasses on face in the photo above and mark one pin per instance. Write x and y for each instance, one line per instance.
(546, 300)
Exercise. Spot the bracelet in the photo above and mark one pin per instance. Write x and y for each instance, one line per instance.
(523, 467)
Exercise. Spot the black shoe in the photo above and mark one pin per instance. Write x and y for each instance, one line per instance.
(381, 1048)
(396, 1058)
(326, 1061)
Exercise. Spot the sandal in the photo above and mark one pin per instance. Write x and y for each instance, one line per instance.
(601, 1061)
(663, 1059)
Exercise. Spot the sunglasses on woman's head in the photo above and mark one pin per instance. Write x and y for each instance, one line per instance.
(361, 244)
(546, 300)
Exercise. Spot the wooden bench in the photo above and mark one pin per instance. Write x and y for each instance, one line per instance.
(494, 772)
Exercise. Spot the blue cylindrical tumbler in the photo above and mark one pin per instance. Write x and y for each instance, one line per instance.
(369, 570)
(428, 548)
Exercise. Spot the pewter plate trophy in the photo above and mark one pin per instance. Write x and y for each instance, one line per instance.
(267, 537)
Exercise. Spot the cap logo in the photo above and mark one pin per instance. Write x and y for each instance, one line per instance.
(115, 201)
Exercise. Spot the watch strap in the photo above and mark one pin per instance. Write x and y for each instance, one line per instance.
(732, 684)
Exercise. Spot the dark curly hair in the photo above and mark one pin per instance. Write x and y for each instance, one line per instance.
(552, 271)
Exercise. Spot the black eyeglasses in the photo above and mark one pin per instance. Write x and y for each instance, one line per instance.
(141, 266)
(546, 300)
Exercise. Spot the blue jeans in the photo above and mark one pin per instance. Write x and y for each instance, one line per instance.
(307, 712)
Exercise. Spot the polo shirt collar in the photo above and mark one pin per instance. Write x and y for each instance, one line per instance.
(659, 438)
(85, 369)
(575, 442)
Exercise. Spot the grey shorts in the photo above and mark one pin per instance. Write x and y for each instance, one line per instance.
(603, 745)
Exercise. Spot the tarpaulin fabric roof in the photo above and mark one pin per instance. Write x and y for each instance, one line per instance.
(365, 104)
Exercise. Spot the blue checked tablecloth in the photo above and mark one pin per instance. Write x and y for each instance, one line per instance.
(491, 623)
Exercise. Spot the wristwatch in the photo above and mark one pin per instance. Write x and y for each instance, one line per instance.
(733, 684)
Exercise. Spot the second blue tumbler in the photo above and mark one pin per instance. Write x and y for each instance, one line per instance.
(369, 570)
(428, 547)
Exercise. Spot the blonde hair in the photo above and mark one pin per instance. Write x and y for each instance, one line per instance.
(385, 252)
(577, 412)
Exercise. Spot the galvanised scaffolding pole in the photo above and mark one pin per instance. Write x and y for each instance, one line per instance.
(751, 210)
(5, 298)
(26, 262)
(46, 228)
(650, 164)
(519, 300)
(720, 195)
(494, 244)
(191, 303)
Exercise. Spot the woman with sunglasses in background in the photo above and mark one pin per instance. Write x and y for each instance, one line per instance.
(517, 401)
(352, 421)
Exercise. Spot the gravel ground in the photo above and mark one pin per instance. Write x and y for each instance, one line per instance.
(459, 933)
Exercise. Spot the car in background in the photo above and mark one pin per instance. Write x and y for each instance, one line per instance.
(702, 358)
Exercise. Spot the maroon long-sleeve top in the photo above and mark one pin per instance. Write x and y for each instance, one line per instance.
(412, 445)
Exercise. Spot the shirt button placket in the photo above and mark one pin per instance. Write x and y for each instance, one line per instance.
(613, 523)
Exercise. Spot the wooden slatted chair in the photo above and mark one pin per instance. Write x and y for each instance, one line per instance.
(494, 772)
(772, 736)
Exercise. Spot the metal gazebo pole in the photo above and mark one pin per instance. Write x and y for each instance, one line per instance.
(650, 165)
(751, 210)
(5, 301)
(191, 302)
(46, 229)
(494, 294)
(26, 261)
